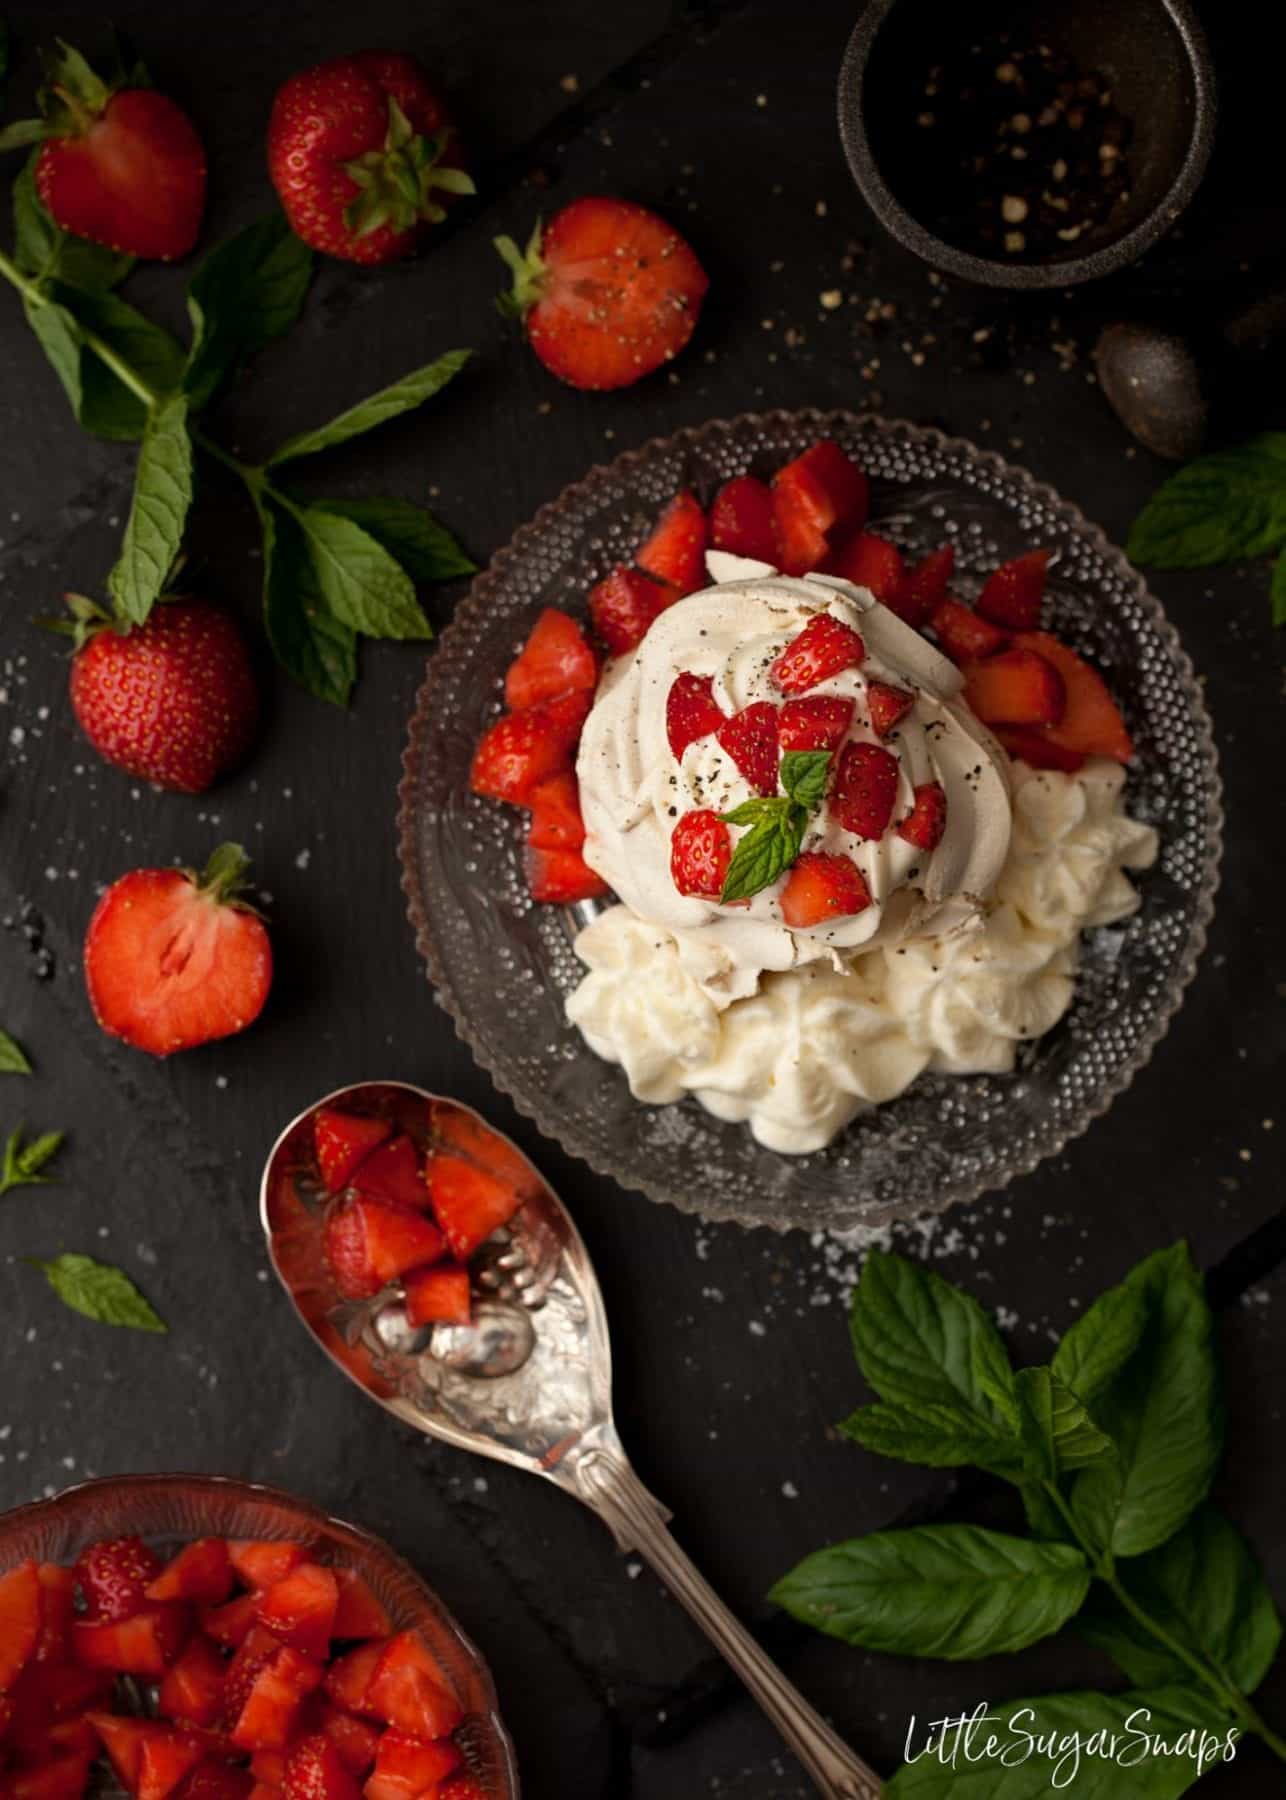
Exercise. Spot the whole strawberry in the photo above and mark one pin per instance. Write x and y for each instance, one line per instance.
(608, 290)
(361, 152)
(171, 701)
(119, 163)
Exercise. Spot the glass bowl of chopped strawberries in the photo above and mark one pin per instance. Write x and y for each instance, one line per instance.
(208, 1639)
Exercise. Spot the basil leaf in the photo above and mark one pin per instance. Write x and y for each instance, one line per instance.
(362, 585)
(939, 1437)
(1163, 1411)
(23, 1164)
(101, 402)
(1097, 1346)
(1218, 509)
(246, 293)
(1206, 1589)
(1095, 1746)
(954, 1591)
(918, 1340)
(403, 396)
(158, 511)
(765, 853)
(312, 646)
(45, 252)
(1278, 590)
(13, 1060)
(1058, 1432)
(100, 1292)
(804, 775)
(425, 549)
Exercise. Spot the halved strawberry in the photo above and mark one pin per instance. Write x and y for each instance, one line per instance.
(1012, 594)
(392, 1173)
(273, 1706)
(356, 1739)
(20, 1615)
(742, 520)
(408, 1690)
(561, 877)
(888, 706)
(349, 1678)
(823, 648)
(144, 1644)
(166, 1757)
(459, 1131)
(1091, 724)
(556, 822)
(192, 1691)
(675, 551)
(300, 1609)
(963, 635)
(700, 852)
(369, 1243)
(260, 1562)
(1017, 687)
(925, 585)
(359, 1614)
(927, 820)
(407, 1767)
(438, 1294)
(201, 1572)
(469, 1203)
(228, 1625)
(315, 1770)
(1038, 749)
(623, 606)
(866, 785)
(555, 660)
(819, 493)
(523, 749)
(690, 712)
(342, 1141)
(821, 887)
(750, 738)
(113, 1575)
(817, 722)
(872, 562)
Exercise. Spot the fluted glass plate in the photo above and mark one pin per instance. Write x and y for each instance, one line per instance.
(502, 966)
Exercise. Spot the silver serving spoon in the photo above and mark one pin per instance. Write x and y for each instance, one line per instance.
(529, 1382)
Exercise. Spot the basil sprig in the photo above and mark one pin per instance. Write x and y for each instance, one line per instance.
(778, 825)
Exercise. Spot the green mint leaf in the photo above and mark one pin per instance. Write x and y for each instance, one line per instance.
(312, 646)
(1218, 509)
(919, 1340)
(42, 250)
(1057, 1430)
(13, 1060)
(765, 853)
(362, 585)
(100, 1292)
(158, 512)
(954, 1591)
(246, 293)
(22, 133)
(425, 549)
(804, 775)
(404, 395)
(1205, 1588)
(1094, 1350)
(24, 1164)
(60, 338)
(939, 1437)
(1044, 1747)
(1043, 1518)
(753, 812)
(1163, 1411)
(1278, 590)
(102, 403)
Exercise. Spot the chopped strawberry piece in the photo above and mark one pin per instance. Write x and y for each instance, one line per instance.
(392, 1173)
(523, 749)
(64, 1779)
(927, 820)
(925, 585)
(263, 1791)
(407, 1767)
(556, 822)
(1091, 724)
(57, 1603)
(123, 1740)
(468, 1202)
(46, 1695)
(212, 1780)
(438, 1295)
(700, 852)
(192, 1691)
(750, 739)
(359, 1614)
(269, 1766)
(228, 1625)
(408, 1690)
(113, 1576)
(872, 562)
(623, 606)
(823, 648)
(742, 520)
(343, 1140)
(254, 1653)
(818, 722)
(166, 1757)
(271, 1712)
(821, 887)
(369, 1243)
(200, 1572)
(457, 1129)
(349, 1678)
(819, 493)
(690, 712)
(555, 660)
(866, 785)
(143, 1645)
(888, 706)
(963, 635)
(261, 1562)
(356, 1740)
(1012, 594)
(675, 552)
(20, 1618)
(1038, 749)
(459, 1787)
(300, 1608)
(561, 877)
(315, 1770)
(1017, 687)
(801, 543)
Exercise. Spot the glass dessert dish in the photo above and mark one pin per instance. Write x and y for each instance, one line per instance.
(503, 967)
(169, 1510)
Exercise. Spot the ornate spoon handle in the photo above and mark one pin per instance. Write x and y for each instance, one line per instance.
(607, 1484)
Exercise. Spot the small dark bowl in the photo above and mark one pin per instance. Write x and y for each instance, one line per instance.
(1154, 53)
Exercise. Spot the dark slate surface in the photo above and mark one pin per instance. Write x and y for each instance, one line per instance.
(731, 1347)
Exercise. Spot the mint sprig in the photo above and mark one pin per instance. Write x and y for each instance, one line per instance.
(23, 1164)
(778, 825)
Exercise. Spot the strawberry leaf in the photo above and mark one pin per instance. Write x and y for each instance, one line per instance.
(313, 647)
(362, 585)
(13, 1060)
(100, 1292)
(246, 293)
(402, 396)
(425, 549)
(158, 513)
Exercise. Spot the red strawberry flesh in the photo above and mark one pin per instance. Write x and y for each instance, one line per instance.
(700, 852)
(865, 789)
